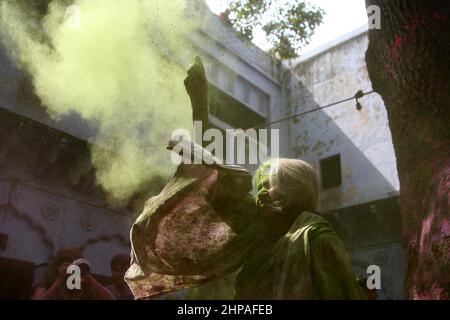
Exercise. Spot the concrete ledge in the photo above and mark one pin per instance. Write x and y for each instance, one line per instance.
(329, 45)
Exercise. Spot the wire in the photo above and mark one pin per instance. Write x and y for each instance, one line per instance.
(359, 94)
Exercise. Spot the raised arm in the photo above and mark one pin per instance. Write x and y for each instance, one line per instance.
(197, 88)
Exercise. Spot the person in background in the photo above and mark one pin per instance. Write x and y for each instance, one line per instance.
(119, 288)
(54, 286)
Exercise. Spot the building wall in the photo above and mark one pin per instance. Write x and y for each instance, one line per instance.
(16, 95)
(362, 138)
(241, 70)
(49, 198)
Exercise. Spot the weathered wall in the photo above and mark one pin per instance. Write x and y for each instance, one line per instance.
(241, 70)
(362, 138)
(364, 209)
(16, 95)
(48, 198)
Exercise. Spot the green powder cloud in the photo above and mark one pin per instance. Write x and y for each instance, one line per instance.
(113, 63)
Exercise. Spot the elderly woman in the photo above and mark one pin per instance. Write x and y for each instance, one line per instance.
(301, 256)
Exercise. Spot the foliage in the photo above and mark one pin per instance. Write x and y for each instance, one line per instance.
(287, 24)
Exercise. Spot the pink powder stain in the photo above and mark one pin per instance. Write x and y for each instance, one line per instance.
(391, 71)
(439, 16)
(411, 26)
(426, 227)
(446, 226)
(437, 292)
(398, 42)
(395, 55)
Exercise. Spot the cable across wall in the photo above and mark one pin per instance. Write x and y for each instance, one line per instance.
(358, 95)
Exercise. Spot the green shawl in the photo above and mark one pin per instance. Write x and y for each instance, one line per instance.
(308, 262)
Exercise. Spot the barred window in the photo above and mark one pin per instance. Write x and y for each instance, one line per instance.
(330, 171)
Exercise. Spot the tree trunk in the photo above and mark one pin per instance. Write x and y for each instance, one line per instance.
(408, 61)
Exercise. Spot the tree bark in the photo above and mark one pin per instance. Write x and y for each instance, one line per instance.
(408, 61)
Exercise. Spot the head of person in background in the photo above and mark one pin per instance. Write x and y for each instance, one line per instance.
(62, 259)
(55, 287)
(119, 288)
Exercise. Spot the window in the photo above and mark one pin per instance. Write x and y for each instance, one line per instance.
(247, 93)
(231, 79)
(330, 171)
(231, 111)
(214, 72)
(263, 105)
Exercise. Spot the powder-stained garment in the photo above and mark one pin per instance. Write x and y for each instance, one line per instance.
(308, 262)
(198, 228)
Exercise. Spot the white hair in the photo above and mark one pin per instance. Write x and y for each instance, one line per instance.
(294, 182)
